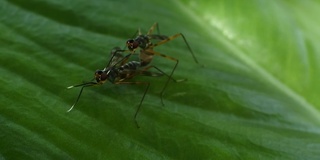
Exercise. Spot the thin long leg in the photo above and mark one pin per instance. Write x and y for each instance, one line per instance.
(155, 25)
(165, 86)
(162, 73)
(169, 78)
(174, 68)
(172, 38)
(139, 31)
(144, 94)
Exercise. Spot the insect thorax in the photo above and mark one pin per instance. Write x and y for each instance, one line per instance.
(144, 41)
(111, 74)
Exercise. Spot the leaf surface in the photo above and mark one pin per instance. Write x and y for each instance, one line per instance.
(254, 94)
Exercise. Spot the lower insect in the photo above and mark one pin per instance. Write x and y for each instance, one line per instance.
(119, 71)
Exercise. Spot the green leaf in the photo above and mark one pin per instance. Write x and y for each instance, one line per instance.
(254, 94)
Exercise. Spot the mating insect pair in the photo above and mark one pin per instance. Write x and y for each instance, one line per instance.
(119, 69)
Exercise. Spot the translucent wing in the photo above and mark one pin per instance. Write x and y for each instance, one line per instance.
(116, 57)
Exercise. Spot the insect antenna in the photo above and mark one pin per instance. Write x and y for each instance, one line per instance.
(87, 84)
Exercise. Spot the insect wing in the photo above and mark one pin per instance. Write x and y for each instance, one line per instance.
(116, 57)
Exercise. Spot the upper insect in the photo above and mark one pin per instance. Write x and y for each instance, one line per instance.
(147, 52)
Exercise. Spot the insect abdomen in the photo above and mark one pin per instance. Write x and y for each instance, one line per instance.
(133, 65)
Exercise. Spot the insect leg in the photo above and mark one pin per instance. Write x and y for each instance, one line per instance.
(174, 68)
(158, 75)
(155, 25)
(144, 94)
(174, 37)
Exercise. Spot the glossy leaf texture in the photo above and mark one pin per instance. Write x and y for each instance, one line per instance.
(253, 95)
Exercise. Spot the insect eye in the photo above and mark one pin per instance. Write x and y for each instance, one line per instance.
(130, 41)
(132, 44)
(98, 72)
(97, 75)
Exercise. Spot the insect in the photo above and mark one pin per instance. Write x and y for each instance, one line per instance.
(144, 42)
(119, 71)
